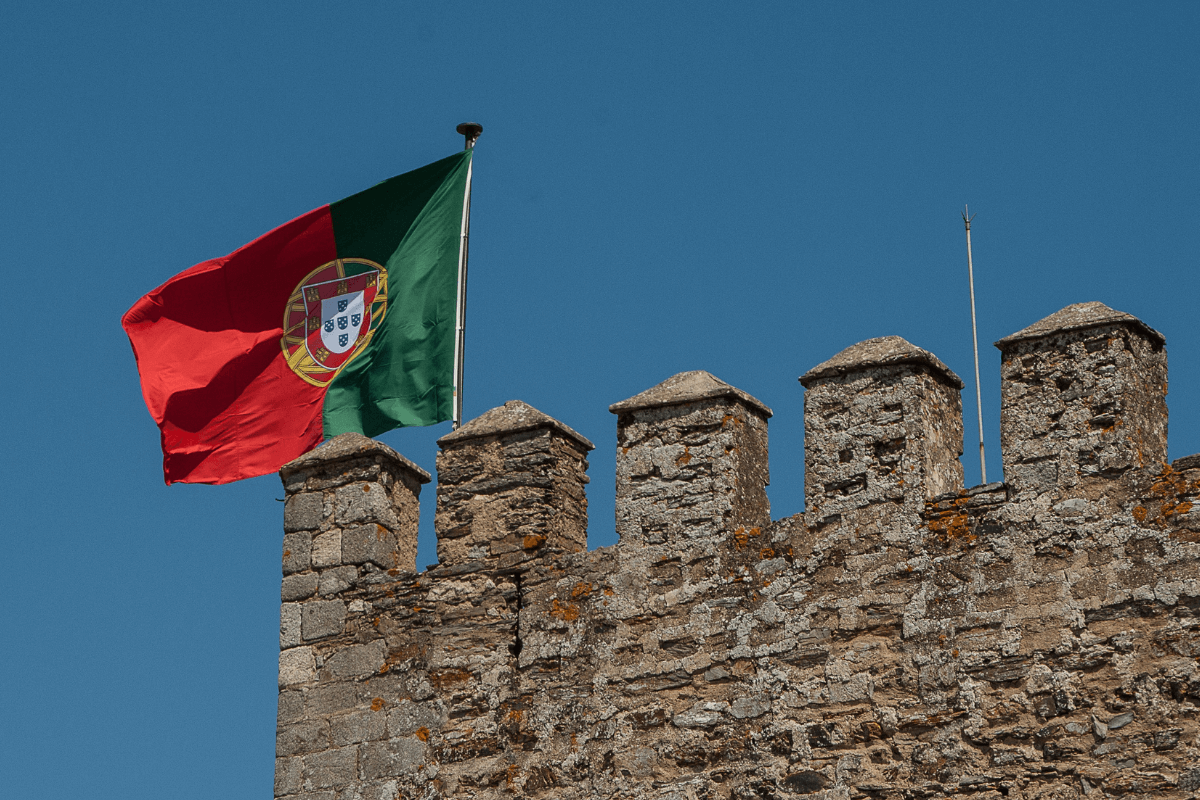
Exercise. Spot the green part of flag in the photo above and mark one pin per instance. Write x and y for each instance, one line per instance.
(412, 225)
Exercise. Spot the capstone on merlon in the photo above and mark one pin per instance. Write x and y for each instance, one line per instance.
(904, 637)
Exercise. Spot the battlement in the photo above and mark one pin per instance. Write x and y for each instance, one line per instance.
(904, 636)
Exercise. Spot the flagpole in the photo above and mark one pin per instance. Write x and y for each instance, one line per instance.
(975, 340)
(470, 132)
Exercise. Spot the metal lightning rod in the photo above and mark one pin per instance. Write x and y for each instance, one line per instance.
(470, 132)
(975, 340)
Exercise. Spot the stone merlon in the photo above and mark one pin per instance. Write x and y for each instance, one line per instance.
(1079, 317)
(884, 351)
(511, 486)
(1083, 400)
(882, 424)
(688, 387)
(349, 447)
(691, 460)
(514, 416)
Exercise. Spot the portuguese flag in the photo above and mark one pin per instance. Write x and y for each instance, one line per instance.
(341, 320)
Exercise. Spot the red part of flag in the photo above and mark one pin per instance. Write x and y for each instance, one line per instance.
(208, 347)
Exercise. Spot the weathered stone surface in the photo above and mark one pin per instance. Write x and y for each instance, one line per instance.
(298, 587)
(702, 715)
(370, 543)
(322, 618)
(1081, 316)
(515, 416)
(331, 768)
(885, 351)
(689, 387)
(348, 448)
(1187, 462)
(349, 483)
(510, 483)
(327, 550)
(1083, 400)
(1035, 639)
(356, 661)
(396, 758)
(358, 726)
(882, 424)
(363, 502)
(691, 461)
(306, 736)
(289, 625)
(303, 512)
(296, 665)
(336, 580)
(297, 552)
(289, 775)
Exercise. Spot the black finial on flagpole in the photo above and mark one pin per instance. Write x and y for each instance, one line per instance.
(470, 132)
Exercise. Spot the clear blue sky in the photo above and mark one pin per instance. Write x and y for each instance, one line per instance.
(745, 188)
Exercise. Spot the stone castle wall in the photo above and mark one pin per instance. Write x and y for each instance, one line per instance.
(904, 637)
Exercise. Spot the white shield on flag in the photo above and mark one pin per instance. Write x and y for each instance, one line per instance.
(338, 316)
(341, 320)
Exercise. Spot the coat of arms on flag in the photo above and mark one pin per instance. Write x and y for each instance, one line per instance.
(331, 316)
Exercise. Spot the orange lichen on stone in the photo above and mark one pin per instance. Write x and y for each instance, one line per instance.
(1172, 487)
(1170, 508)
(608, 591)
(287, 553)
(568, 612)
(739, 538)
(581, 590)
(951, 527)
(1170, 483)
(766, 553)
(953, 524)
(422, 733)
(405, 652)
(533, 541)
(685, 458)
(444, 678)
(377, 704)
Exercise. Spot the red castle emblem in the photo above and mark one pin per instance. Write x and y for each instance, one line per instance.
(331, 316)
